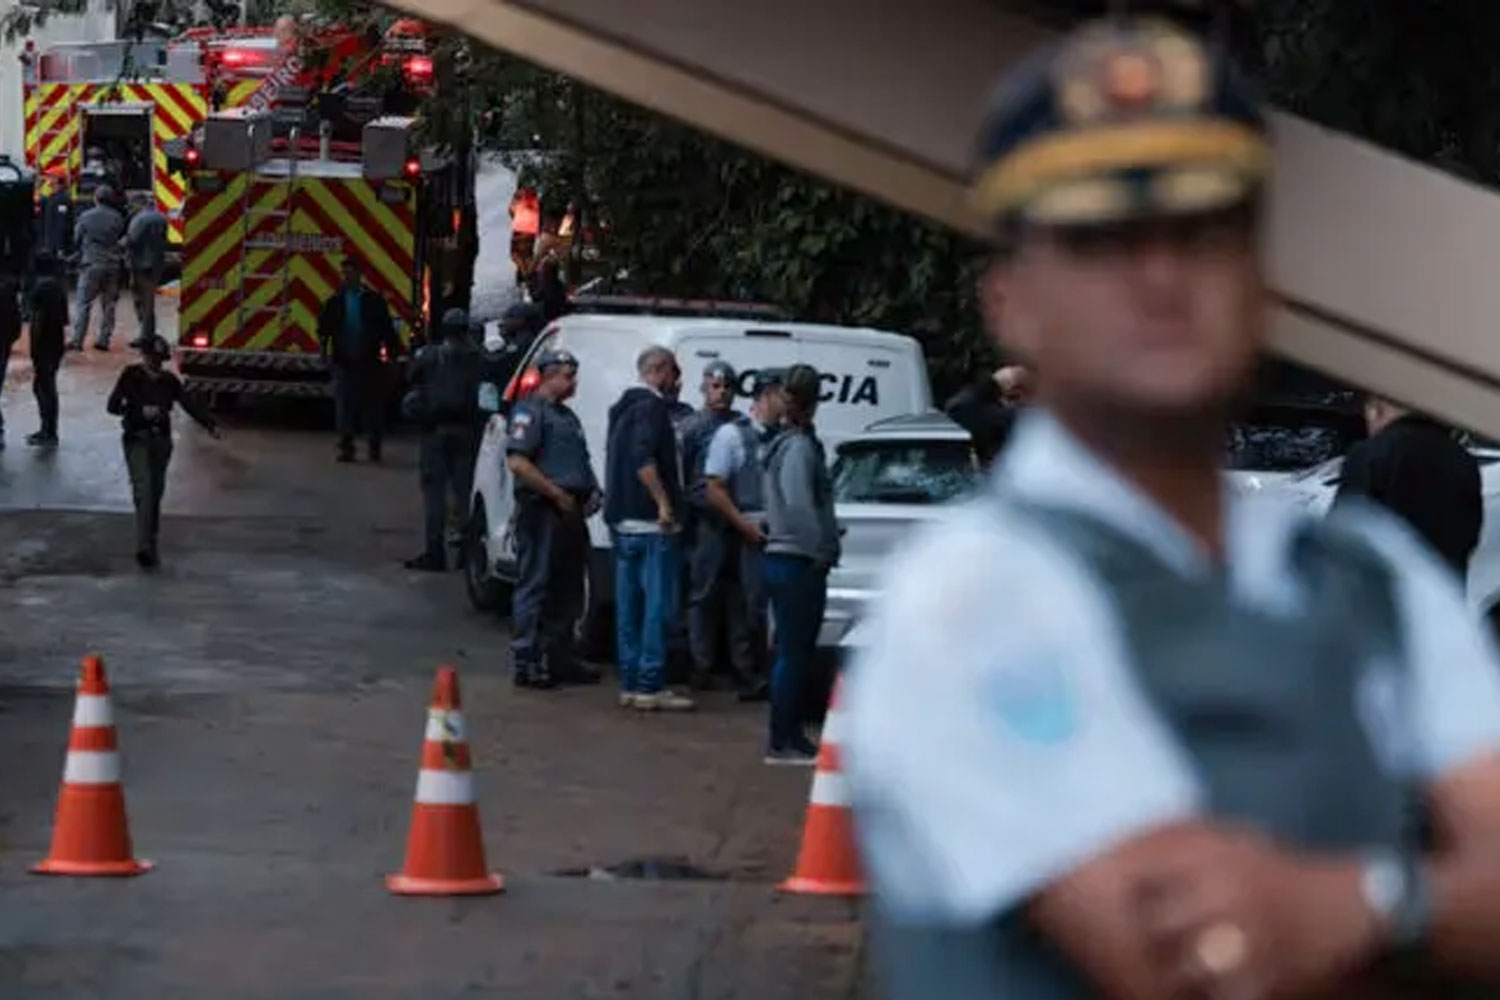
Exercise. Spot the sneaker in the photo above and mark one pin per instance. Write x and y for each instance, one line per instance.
(76, 345)
(626, 699)
(101, 346)
(664, 700)
(791, 757)
(41, 440)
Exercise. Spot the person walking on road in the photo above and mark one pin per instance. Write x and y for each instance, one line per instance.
(556, 492)
(444, 400)
(10, 332)
(1415, 467)
(146, 254)
(733, 485)
(143, 398)
(1116, 730)
(643, 498)
(705, 533)
(360, 343)
(96, 241)
(802, 545)
(49, 325)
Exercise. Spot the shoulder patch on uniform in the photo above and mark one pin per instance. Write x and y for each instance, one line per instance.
(519, 423)
(1036, 702)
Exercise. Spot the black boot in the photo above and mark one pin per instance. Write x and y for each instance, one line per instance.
(428, 563)
(575, 671)
(346, 449)
(534, 677)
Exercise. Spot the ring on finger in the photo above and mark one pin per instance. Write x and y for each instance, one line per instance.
(1221, 949)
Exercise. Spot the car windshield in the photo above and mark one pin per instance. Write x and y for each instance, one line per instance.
(903, 472)
(1270, 441)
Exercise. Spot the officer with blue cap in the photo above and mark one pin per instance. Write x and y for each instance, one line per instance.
(556, 491)
(1115, 730)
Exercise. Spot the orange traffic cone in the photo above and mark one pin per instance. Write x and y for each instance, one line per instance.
(90, 835)
(828, 865)
(445, 850)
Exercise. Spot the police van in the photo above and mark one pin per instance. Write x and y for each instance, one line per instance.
(867, 375)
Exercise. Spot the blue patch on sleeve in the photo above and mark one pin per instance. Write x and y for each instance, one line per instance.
(1037, 704)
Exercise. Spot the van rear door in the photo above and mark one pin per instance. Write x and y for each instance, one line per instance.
(867, 375)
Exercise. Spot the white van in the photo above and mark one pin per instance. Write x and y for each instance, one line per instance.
(867, 375)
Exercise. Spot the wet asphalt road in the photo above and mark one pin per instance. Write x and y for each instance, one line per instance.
(270, 688)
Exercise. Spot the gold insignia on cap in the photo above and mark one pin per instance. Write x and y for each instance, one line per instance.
(1106, 74)
(1131, 79)
(1198, 189)
(1080, 201)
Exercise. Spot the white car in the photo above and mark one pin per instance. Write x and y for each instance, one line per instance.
(886, 480)
(1315, 488)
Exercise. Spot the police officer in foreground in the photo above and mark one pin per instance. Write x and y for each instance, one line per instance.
(1116, 731)
(444, 400)
(555, 492)
(708, 593)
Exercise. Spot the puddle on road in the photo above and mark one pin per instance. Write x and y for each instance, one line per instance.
(647, 869)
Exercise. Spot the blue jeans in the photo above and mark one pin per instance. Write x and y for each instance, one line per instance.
(644, 588)
(798, 589)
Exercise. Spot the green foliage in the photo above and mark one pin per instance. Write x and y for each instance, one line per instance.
(687, 214)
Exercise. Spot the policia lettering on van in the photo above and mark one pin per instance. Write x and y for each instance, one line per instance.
(855, 390)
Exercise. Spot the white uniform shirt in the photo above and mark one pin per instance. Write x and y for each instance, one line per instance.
(997, 737)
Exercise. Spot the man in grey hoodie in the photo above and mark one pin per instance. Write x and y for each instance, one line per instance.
(802, 545)
(97, 243)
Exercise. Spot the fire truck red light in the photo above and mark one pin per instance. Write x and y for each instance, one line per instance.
(200, 340)
(192, 157)
(419, 66)
(413, 168)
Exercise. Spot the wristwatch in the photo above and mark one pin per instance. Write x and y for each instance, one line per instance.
(1394, 885)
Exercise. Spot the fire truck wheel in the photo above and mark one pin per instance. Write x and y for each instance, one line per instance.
(487, 592)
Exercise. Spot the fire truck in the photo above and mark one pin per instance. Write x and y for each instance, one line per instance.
(137, 106)
(277, 201)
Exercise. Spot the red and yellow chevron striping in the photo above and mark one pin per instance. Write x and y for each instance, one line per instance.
(256, 280)
(53, 124)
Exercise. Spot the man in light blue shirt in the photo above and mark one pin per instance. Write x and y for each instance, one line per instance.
(1116, 731)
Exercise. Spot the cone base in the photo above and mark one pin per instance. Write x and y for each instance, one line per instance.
(818, 887)
(115, 869)
(406, 885)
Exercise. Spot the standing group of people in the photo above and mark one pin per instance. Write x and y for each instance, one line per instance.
(109, 247)
(106, 246)
(720, 511)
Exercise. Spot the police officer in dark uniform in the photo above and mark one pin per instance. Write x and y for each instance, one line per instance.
(705, 532)
(556, 491)
(1116, 730)
(444, 400)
